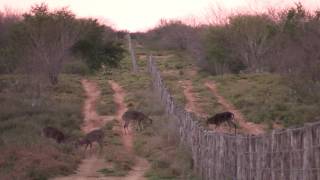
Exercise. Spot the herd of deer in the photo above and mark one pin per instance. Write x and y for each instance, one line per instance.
(136, 117)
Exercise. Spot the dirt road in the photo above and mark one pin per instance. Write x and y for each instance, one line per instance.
(88, 169)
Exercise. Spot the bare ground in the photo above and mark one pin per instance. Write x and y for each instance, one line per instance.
(246, 126)
(94, 161)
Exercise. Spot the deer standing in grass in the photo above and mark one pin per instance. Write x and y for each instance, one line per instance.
(134, 116)
(54, 133)
(93, 136)
(220, 118)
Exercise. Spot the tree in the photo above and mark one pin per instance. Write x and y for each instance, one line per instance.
(245, 42)
(299, 44)
(44, 39)
(251, 39)
(97, 45)
(8, 62)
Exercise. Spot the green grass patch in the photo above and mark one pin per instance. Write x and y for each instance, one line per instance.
(266, 98)
(105, 106)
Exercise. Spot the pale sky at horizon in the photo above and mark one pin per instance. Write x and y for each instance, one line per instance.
(135, 15)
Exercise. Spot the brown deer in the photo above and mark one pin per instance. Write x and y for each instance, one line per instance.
(54, 133)
(220, 118)
(93, 136)
(136, 116)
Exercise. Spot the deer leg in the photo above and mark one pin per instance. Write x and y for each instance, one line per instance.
(126, 130)
(140, 126)
(231, 123)
(136, 124)
(216, 126)
(100, 144)
(125, 127)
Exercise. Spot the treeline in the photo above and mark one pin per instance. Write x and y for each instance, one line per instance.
(41, 42)
(285, 42)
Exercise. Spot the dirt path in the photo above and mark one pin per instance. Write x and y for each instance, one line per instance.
(93, 161)
(247, 127)
(88, 169)
(141, 165)
(191, 105)
(91, 118)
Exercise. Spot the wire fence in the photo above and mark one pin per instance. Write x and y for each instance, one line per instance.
(291, 154)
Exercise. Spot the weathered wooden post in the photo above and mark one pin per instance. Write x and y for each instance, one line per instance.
(133, 55)
(307, 152)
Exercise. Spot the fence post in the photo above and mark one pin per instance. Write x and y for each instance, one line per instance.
(307, 142)
(133, 55)
(236, 158)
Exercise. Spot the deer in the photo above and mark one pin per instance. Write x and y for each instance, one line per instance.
(54, 133)
(137, 116)
(93, 136)
(222, 117)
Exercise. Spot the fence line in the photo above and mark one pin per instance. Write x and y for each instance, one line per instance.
(288, 154)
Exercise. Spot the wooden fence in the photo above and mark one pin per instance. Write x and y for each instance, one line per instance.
(288, 154)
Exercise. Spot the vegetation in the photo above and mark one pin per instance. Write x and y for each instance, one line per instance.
(95, 47)
(266, 98)
(25, 153)
(40, 42)
(40, 71)
(105, 105)
(279, 43)
(121, 161)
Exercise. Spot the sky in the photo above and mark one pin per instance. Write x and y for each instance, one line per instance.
(140, 15)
